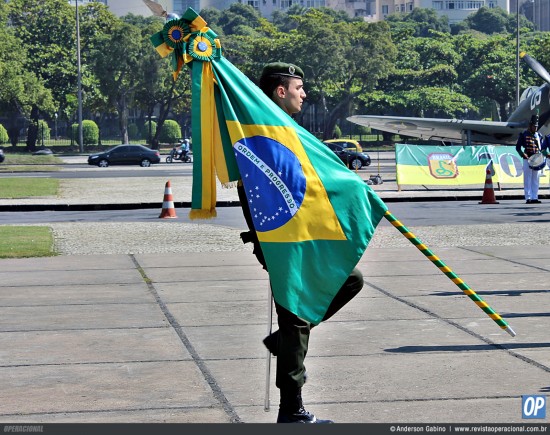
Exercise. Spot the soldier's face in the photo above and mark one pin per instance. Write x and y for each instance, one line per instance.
(290, 99)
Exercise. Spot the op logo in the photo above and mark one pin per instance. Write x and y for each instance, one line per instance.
(442, 165)
(273, 179)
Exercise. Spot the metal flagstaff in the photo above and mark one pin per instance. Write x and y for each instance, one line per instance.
(449, 273)
(268, 357)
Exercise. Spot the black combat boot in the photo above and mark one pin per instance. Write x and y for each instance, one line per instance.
(271, 342)
(291, 409)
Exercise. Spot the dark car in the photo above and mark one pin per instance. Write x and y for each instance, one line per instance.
(349, 154)
(125, 155)
(2, 155)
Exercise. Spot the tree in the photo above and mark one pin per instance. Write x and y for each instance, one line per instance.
(487, 69)
(96, 25)
(492, 20)
(49, 57)
(341, 60)
(212, 16)
(155, 86)
(537, 47)
(238, 15)
(488, 20)
(420, 22)
(115, 63)
(424, 83)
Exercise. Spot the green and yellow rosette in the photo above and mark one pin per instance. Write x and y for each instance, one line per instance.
(188, 41)
(185, 39)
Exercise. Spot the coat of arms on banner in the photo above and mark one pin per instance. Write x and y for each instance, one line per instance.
(442, 165)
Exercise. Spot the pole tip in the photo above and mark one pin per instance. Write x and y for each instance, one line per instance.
(510, 331)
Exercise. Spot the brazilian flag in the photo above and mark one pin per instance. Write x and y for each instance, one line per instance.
(313, 216)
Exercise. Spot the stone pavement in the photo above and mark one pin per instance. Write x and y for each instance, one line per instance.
(155, 338)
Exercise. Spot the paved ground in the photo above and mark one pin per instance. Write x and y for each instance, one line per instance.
(158, 337)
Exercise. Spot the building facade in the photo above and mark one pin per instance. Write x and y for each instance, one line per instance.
(120, 7)
(537, 11)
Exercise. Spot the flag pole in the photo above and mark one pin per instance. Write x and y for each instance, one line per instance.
(268, 356)
(449, 273)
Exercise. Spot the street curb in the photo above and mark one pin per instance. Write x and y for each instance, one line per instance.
(187, 204)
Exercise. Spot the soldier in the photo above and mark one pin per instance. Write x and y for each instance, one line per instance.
(528, 144)
(283, 83)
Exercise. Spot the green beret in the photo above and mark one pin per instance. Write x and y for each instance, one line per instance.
(282, 69)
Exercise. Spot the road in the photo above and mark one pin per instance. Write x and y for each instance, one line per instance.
(76, 167)
(412, 214)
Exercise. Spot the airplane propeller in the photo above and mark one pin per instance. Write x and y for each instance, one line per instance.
(535, 66)
(159, 10)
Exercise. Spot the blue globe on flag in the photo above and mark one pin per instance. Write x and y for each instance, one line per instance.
(273, 179)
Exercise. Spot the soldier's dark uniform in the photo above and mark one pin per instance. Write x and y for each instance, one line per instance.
(290, 342)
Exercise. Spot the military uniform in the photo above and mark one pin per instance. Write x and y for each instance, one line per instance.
(290, 342)
(529, 143)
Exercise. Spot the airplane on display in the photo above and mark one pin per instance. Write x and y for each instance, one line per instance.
(534, 100)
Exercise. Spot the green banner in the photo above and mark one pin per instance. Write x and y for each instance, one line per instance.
(458, 165)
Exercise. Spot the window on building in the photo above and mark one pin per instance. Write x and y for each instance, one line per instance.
(314, 3)
(180, 6)
(437, 5)
(474, 5)
(385, 10)
(410, 6)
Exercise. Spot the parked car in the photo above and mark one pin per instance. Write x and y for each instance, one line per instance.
(125, 155)
(347, 143)
(347, 152)
(2, 155)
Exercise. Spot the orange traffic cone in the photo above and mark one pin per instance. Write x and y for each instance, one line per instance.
(168, 210)
(488, 191)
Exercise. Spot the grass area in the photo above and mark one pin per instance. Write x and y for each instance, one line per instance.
(30, 163)
(26, 159)
(26, 241)
(11, 188)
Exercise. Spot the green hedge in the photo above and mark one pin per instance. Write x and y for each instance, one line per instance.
(4, 138)
(146, 132)
(43, 130)
(171, 132)
(133, 132)
(90, 132)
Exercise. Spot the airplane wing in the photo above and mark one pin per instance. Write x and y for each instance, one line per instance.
(453, 130)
